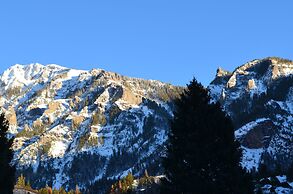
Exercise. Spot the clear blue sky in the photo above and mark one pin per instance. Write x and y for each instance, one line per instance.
(166, 40)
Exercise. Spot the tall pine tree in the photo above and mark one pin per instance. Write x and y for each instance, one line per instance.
(6, 170)
(202, 154)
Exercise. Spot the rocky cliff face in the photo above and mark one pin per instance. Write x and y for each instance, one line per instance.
(259, 98)
(77, 127)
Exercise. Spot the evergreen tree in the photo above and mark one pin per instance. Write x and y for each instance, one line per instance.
(7, 172)
(129, 180)
(62, 191)
(202, 154)
(123, 186)
(21, 181)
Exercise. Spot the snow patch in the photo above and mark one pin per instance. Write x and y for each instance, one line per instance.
(251, 158)
(246, 128)
(58, 149)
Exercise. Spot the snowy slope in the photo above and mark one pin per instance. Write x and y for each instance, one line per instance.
(76, 127)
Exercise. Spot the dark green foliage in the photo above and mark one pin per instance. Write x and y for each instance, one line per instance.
(115, 93)
(290, 173)
(277, 164)
(261, 68)
(149, 127)
(45, 168)
(259, 191)
(114, 112)
(21, 181)
(280, 88)
(61, 190)
(202, 155)
(240, 117)
(157, 108)
(263, 171)
(148, 185)
(123, 186)
(103, 186)
(7, 172)
(85, 166)
(23, 184)
(120, 160)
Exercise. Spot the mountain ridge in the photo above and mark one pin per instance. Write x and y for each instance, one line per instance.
(62, 116)
(65, 119)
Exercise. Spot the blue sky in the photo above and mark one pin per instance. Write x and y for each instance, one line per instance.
(166, 40)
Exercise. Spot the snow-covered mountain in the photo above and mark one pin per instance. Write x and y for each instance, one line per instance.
(76, 127)
(79, 127)
(259, 98)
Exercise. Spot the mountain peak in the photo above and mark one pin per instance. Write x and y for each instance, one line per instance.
(260, 69)
(61, 115)
(23, 75)
(221, 72)
(275, 65)
(254, 77)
